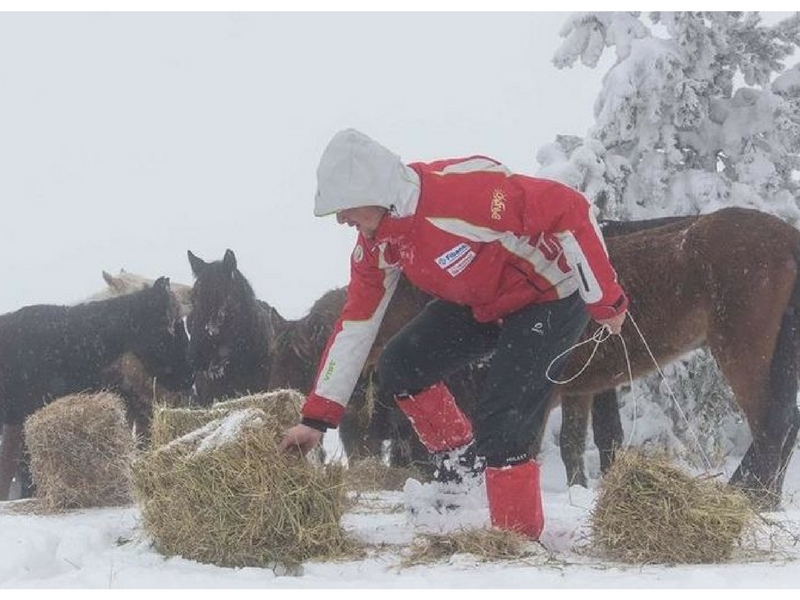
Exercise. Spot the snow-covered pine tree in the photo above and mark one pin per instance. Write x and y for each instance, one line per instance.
(696, 113)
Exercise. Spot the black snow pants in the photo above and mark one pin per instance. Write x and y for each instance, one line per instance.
(511, 408)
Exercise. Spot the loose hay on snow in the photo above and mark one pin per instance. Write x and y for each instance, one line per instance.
(171, 423)
(81, 449)
(484, 544)
(648, 511)
(370, 474)
(225, 494)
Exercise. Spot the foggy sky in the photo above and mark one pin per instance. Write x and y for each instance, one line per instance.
(127, 139)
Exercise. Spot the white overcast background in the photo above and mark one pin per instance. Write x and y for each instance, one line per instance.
(128, 138)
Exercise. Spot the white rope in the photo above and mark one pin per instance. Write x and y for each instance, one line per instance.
(673, 397)
(601, 335)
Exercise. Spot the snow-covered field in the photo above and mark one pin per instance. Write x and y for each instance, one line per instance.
(106, 548)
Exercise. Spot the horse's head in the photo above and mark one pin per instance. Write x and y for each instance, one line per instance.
(223, 317)
(159, 337)
(124, 283)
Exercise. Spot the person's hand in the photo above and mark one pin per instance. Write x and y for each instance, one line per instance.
(301, 439)
(614, 324)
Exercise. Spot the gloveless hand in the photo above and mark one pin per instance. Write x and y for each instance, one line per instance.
(614, 324)
(301, 438)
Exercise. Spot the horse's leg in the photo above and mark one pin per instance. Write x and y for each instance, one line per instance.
(575, 410)
(786, 452)
(10, 457)
(27, 487)
(756, 474)
(763, 467)
(607, 427)
(373, 416)
(352, 432)
(762, 372)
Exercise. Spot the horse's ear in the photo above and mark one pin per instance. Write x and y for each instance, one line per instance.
(115, 283)
(198, 264)
(162, 283)
(229, 260)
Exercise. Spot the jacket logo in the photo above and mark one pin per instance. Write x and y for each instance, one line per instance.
(452, 255)
(358, 253)
(329, 370)
(498, 204)
(456, 259)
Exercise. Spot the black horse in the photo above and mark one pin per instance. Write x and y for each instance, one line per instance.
(240, 344)
(51, 351)
(233, 335)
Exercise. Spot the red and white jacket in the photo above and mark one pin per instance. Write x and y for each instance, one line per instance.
(474, 234)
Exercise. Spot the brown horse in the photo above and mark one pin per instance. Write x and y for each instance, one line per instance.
(727, 280)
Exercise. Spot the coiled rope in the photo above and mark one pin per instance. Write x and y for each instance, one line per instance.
(600, 336)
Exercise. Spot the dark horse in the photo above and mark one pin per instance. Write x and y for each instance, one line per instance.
(240, 344)
(233, 335)
(52, 351)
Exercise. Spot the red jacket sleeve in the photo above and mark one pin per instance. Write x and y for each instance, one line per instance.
(372, 283)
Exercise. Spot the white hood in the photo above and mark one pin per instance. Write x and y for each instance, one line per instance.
(357, 171)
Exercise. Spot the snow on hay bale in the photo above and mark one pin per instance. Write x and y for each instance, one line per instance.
(648, 511)
(225, 494)
(81, 450)
(171, 423)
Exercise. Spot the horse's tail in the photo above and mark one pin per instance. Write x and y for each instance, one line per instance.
(785, 367)
(791, 323)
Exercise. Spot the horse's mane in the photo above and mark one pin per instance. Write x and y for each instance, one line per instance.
(117, 306)
(307, 336)
(124, 283)
(612, 228)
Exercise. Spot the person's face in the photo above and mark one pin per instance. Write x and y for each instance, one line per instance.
(363, 218)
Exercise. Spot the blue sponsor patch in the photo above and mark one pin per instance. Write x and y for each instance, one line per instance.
(453, 255)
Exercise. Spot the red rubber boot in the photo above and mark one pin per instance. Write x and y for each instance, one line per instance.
(515, 498)
(435, 416)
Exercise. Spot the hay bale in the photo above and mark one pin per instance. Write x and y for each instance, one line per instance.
(648, 511)
(81, 449)
(225, 494)
(171, 423)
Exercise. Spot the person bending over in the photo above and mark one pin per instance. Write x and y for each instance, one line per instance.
(516, 266)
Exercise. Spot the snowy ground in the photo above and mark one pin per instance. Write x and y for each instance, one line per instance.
(105, 548)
